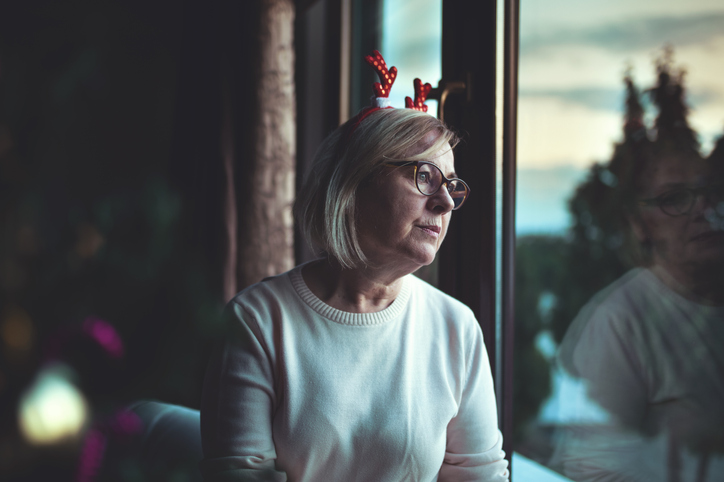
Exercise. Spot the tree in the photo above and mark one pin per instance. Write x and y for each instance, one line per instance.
(602, 247)
(557, 276)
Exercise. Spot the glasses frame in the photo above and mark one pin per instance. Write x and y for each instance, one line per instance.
(445, 181)
(695, 192)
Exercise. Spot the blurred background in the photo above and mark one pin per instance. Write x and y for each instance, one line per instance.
(149, 153)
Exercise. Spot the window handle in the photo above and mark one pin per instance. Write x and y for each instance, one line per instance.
(443, 90)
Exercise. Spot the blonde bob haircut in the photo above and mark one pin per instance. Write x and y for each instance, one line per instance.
(326, 205)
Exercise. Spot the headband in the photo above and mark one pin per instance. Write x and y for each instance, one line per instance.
(380, 99)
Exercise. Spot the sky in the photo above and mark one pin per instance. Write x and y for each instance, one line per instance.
(573, 56)
(411, 41)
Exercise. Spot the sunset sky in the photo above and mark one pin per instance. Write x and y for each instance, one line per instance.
(572, 59)
(573, 56)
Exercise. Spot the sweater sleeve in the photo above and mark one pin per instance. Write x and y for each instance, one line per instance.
(237, 406)
(474, 443)
(612, 368)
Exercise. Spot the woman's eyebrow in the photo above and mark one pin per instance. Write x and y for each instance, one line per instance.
(449, 175)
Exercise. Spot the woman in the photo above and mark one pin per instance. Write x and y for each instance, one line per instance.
(348, 367)
(648, 348)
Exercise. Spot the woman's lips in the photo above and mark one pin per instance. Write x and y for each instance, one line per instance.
(431, 230)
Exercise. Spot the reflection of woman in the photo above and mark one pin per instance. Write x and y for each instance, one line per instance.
(349, 367)
(650, 348)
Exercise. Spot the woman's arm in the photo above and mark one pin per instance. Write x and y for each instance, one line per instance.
(474, 443)
(237, 406)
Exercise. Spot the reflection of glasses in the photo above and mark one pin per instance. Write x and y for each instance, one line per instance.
(679, 202)
(429, 178)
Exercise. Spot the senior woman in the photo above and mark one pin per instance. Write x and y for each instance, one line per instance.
(648, 350)
(349, 367)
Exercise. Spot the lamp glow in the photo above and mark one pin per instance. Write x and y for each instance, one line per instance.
(52, 409)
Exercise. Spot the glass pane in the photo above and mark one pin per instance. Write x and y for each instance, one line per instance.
(408, 34)
(412, 42)
(619, 350)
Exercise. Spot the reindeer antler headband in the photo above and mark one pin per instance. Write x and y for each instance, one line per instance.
(381, 99)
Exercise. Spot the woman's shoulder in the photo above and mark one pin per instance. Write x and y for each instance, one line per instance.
(437, 296)
(428, 299)
(268, 294)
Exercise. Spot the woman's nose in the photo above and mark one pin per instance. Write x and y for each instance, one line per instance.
(704, 204)
(442, 200)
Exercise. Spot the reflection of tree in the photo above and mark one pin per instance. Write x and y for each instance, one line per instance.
(537, 274)
(598, 250)
(599, 247)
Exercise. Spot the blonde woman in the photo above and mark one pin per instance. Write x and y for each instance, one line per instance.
(349, 367)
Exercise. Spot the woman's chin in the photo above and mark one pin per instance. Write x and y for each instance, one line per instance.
(426, 258)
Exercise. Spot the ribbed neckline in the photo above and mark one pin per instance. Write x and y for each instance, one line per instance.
(344, 317)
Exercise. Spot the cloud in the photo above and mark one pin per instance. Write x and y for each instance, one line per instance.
(552, 132)
(612, 100)
(635, 34)
(591, 97)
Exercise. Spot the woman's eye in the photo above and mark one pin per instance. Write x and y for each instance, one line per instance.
(676, 199)
(423, 177)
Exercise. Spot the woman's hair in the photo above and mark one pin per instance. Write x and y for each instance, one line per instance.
(326, 205)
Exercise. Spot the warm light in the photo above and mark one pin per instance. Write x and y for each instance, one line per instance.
(16, 329)
(52, 409)
(89, 241)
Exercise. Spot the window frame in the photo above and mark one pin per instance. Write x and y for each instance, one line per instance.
(480, 49)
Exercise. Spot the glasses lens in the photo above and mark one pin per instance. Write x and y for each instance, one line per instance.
(458, 192)
(428, 179)
(677, 202)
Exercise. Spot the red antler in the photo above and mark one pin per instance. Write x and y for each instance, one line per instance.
(421, 92)
(387, 77)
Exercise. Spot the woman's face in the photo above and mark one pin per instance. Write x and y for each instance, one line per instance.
(397, 226)
(688, 240)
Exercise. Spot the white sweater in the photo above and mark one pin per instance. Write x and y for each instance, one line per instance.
(653, 361)
(305, 392)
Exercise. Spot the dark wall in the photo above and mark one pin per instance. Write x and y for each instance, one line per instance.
(103, 208)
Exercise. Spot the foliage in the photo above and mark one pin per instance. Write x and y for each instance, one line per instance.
(537, 274)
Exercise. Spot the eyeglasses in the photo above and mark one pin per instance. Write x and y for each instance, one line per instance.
(429, 178)
(679, 202)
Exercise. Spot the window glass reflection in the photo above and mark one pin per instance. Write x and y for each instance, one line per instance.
(620, 280)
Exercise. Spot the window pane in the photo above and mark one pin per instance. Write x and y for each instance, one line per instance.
(412, 42)
(619, 364)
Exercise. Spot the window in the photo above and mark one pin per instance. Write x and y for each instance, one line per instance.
(602, 122)
(568, 112)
